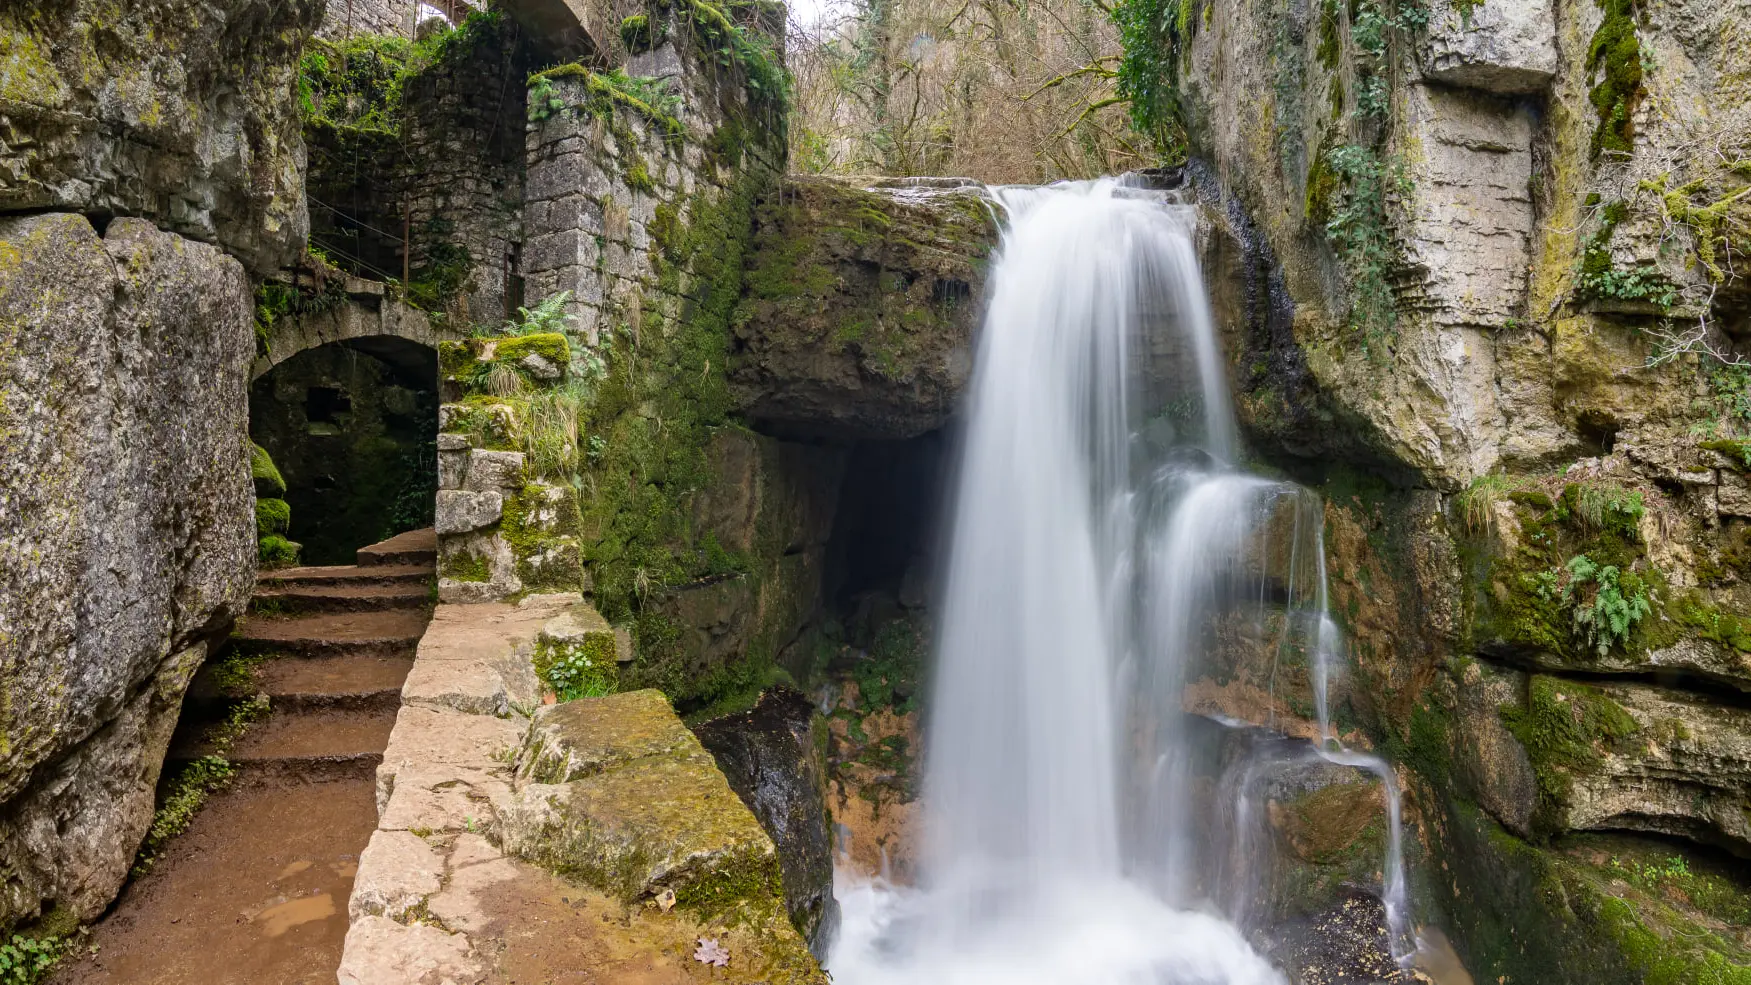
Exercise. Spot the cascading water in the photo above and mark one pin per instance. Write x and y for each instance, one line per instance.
(1097, 527)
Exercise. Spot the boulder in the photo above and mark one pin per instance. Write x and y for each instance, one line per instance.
(127, 527)
(617, 793)
(1506, 46)
(860, 306)
(774, 756)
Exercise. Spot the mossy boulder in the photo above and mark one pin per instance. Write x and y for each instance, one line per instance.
(272, 516)
(617, 793)
(269, 484)
(860, 305)
(1601, 909)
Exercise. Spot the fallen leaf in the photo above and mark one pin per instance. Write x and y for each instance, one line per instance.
(666, 900)
(712, 953)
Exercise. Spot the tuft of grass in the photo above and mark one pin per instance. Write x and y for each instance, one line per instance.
(1477, 503)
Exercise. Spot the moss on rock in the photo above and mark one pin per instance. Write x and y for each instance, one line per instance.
(269, 483)
(272, 516)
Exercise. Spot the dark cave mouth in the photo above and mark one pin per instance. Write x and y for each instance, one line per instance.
(352, 426)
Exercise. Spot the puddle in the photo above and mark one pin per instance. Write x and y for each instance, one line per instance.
(293, 869)
(276, 920)
(1436, 959)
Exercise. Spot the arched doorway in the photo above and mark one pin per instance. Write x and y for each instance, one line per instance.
(353, 427)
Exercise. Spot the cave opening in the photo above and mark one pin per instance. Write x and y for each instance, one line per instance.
(352, 426)
(879, 578)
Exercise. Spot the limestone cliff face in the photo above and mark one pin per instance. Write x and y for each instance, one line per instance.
(861, 305)
(180, 112)
(1471, 260)
(126, 533)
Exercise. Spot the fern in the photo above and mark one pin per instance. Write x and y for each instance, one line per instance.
(1606, 619)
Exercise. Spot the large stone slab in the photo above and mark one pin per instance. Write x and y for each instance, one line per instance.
(126, 515)
(635, 806)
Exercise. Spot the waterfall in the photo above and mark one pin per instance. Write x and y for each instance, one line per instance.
(1098, 523)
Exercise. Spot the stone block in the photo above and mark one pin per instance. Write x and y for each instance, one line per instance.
(380, 951)
(462, 511)
(493, 471)
(397, 871)
(575, 739)
(1502, 46)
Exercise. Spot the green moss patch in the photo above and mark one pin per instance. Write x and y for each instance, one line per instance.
(268, 481)
(1614, 60)
(275, 551)
(1565, 727)
(272, 516)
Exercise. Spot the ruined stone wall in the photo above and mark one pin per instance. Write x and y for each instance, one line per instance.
(346, 18)
(586, 456)
(1450, 259)
(464, 168)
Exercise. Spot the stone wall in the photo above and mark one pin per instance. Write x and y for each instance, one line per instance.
(126, 537)
(1449, 264)
(416, 162)
(346, 18)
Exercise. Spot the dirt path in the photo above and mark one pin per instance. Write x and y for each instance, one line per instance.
(255, 891)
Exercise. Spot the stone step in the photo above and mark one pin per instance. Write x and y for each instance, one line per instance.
(308, 597)
(413, 547)
(317, 683)
(346, 574)
(325, 743)
(392, 632)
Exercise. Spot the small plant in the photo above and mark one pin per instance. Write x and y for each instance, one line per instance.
(1604, 604)
(1477, 503)
(28, 960)
(1604, 507)
(187, 792)
(543, 101)
(581, 670)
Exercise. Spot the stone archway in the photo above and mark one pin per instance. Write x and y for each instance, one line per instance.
(364, 311)
(352, 425)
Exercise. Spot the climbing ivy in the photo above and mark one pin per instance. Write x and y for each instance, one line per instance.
(1359, 229)
(1154, 35)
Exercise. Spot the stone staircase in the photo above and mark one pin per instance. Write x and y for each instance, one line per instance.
(336, 644)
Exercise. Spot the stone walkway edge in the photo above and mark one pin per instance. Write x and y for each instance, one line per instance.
(436, 901)
(464, 710)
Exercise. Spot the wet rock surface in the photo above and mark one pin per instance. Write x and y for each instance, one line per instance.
(774, 757)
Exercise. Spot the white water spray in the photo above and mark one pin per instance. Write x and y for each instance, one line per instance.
(1096, 527)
